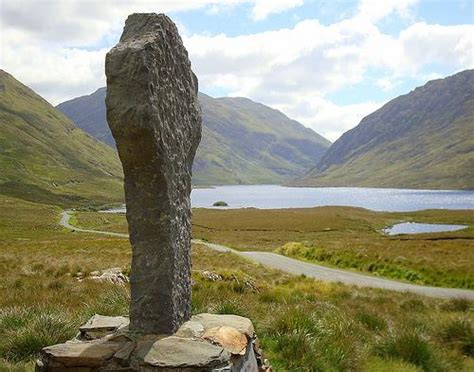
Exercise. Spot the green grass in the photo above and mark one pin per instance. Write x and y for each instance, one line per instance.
(343, 237)
(302, 324)
(45, 158)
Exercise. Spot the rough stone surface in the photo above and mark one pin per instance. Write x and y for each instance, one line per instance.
(227, 337)
(154, 115)
(81, 353)
(193, 348)
(241, 324)
(174, 352)
(99, 326)
(247, 362)
(190, 329)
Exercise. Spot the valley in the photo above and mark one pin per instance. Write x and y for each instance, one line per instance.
(304, 168)
(243, 142)
(340, 237)
(46, 270)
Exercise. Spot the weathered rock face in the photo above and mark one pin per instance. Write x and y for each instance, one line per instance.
(154, 115)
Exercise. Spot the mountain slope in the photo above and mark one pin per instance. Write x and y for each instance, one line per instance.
(44, 157)
(424, 139)
(243, 142)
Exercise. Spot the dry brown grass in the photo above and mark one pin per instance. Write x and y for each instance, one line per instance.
(340, 236)
(303, 324)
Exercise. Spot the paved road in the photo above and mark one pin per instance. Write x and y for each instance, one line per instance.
(319, 272)
(66, 216)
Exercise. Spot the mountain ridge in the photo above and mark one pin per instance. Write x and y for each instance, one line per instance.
(44, 157)
(422, 139)
(243, 142)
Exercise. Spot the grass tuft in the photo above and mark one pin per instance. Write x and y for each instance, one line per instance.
(408, 345)
(459, 333)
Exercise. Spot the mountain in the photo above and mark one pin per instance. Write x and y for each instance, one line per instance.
(424, 139)
(44, 157)
(243, 142)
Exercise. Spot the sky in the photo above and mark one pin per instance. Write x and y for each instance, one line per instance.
(325, 63)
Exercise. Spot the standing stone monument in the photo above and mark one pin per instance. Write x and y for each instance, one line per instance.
(155, 118)
(153, 111)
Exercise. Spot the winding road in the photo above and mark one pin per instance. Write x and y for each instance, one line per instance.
(292, 266)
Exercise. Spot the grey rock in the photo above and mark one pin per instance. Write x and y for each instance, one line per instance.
(241, 324)
(177, 352)
(75, 353)
(155, 118)
(99, 326)
(245, 363)
(113, 275)
(190, 329)
(195, 347)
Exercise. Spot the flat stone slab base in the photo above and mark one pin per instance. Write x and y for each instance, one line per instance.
(207, 342)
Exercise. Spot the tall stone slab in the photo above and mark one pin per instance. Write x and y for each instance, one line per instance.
(155, 118)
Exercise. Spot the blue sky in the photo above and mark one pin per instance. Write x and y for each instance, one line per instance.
(324, 63)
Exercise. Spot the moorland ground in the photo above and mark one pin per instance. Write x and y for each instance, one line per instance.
(344, 237)
(304, 325)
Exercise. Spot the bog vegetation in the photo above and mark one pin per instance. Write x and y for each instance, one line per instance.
(303, 324)
(344, 237)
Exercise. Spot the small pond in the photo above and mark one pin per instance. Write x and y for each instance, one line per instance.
(420, 228)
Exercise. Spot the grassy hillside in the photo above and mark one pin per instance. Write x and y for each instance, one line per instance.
(243, 142)
(420, 140)
(45, 157)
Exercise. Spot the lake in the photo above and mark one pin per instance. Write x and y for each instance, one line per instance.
(420, 228)
(377, 199)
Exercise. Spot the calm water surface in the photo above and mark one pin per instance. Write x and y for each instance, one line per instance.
(274, 196)
(419, 228)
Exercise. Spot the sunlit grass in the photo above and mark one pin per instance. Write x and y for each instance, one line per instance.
(344, 237)
(303, 324)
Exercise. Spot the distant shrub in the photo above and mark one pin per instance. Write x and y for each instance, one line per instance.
(294, 249)
(220, 203)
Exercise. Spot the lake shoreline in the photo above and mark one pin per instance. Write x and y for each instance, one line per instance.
(283, 197)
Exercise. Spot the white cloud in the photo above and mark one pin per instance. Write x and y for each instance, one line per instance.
(263, 8)
(423, 44)
(52, 45)
(375, 10)
(294, 69)
(324, 116)
(83, 22)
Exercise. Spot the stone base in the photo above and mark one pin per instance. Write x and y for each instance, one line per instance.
(207, 342)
